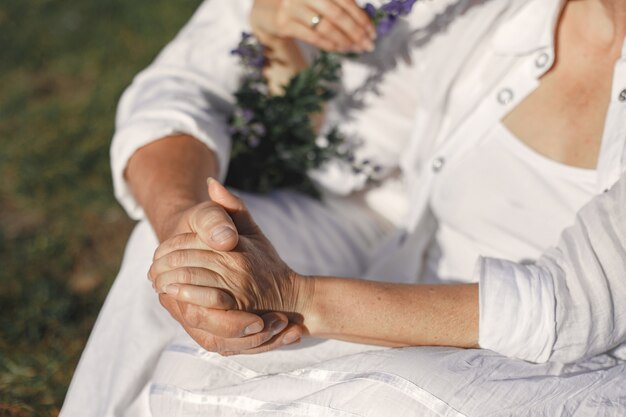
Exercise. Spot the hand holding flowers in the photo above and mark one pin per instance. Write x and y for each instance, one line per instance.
(273, 134)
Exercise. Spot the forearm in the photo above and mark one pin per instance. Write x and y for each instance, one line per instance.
(392, 314)
(169, 176)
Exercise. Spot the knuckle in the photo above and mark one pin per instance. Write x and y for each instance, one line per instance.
(220, 345)
(208, 343)
(282, 22)
(176, 259)
(230, 329)
(159, 251)
(152, 271)
(336, 13)
(212, 217)
(350, 24)
(192, 317)
(185, 276)
(206, 297)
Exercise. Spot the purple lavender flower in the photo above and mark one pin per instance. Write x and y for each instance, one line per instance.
(407, 6)
(370, 9)
(258, 129)
(386, 17)
(247, 115)
(386, 24)
(254, 141)
(398, 7)
(251, 52)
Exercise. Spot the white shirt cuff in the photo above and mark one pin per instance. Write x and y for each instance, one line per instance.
(517, 309)
(130, 138)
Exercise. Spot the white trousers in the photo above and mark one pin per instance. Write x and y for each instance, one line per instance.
(133, 329)
(139, 363)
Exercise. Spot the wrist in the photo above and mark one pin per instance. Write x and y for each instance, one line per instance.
(307, 306)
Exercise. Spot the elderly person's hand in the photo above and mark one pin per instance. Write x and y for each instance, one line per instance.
(217, 326)
(253, 274)
(216, 323)
(331, 25)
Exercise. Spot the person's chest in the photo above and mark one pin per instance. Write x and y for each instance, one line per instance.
(564, 118)
(572, 112)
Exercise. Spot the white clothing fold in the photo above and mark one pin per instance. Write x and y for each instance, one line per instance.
(470, 62)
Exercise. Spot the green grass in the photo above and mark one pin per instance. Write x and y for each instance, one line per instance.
(63, 66)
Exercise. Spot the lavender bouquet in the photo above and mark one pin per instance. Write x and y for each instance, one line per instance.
(274, 141)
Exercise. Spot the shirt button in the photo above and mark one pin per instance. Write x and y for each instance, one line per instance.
(542, 60)
(438, 164)
(505, 96)
(622, 95)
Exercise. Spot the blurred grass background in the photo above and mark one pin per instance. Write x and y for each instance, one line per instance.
(63, 66)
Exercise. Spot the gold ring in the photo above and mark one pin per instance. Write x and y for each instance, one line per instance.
(315, 21)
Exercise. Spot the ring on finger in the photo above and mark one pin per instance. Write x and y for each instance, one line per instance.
(315, 21)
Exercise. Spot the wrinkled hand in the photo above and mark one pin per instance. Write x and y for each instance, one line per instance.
(343, 25)
(215, 325)
(253, 274)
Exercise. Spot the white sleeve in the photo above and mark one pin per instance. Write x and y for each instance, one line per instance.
(187, 89)
(571, 304)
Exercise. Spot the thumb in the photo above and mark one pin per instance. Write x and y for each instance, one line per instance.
(234, 206)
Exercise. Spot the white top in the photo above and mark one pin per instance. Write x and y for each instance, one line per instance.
(501, 200)
(449, 78)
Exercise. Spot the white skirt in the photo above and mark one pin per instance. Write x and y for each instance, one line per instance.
(140, 363)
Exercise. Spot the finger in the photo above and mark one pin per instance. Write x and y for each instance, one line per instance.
(187, 275)
(189, 258)
(214, 227)
(179, 242)
(343, 20)
(234, 206)
(274, 324)
(202, 296)
(292, 334)
(359, 15)
(219, 323)
(326, 29)
(301, 31)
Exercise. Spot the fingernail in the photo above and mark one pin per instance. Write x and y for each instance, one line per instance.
(277, 327)
(209, 180)
(253, 329)
(290, 338)
(367, 45)
(222, 233)
(172, 290)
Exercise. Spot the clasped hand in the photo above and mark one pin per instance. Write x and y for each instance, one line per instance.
(250, 278)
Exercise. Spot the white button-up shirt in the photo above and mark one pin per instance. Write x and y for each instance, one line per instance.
(465, 65)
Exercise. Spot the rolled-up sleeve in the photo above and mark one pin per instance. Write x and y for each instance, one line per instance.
(187, 89)
(571, 303)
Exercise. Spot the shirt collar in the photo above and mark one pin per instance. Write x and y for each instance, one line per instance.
(530, 26)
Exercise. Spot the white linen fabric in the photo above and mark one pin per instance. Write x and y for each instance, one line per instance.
(116, 369)
(140, 363)
(424, 382)
(470, 63)
(501, 191)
